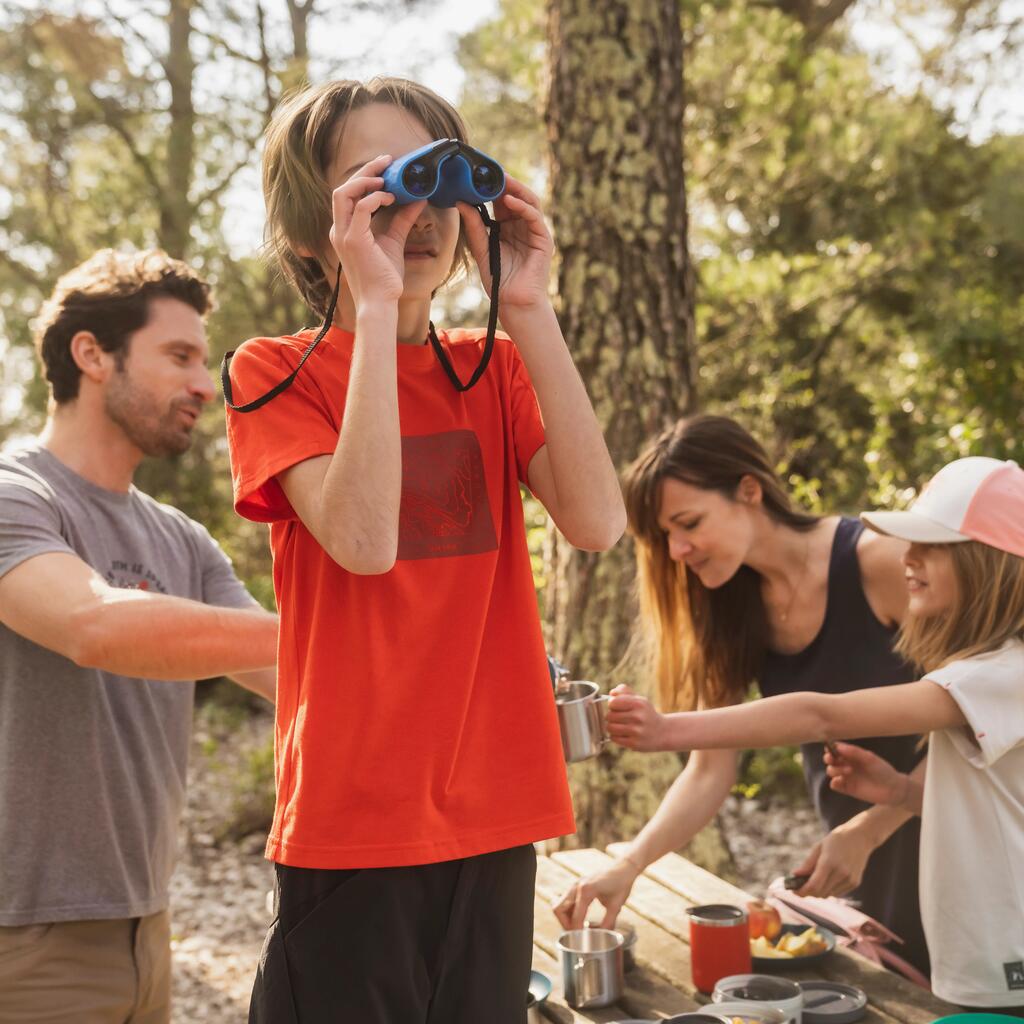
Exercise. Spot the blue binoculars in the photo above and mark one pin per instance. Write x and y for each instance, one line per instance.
(445, 172)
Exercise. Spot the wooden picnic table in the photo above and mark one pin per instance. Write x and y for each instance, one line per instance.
(660, 986)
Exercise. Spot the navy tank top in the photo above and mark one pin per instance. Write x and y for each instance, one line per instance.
(853, 651)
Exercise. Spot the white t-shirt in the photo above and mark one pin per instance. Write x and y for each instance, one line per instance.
(972, 834)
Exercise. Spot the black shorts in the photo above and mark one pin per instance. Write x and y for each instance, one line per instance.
(447, 943)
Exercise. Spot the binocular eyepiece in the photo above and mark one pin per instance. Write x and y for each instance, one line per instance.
(445, 172)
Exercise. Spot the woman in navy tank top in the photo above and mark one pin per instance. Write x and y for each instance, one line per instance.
(738, 587)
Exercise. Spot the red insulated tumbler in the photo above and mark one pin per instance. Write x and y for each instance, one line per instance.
(719, 944)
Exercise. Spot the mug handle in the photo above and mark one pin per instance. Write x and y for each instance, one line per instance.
(601, 706)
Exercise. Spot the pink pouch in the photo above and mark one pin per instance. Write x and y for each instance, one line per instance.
(853, 928)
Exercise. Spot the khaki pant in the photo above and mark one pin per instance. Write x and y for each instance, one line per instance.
(87, 972)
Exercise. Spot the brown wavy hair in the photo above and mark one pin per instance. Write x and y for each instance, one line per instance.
(987, 612)
(108, 295)
(299, 146)
(703, 647)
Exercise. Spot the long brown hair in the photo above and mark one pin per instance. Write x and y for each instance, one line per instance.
(988, 610)
(704, 646)
(297, 155)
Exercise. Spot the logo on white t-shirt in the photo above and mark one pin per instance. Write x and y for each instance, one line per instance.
(1014, 974)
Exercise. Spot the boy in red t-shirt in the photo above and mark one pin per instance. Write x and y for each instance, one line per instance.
(417, 748)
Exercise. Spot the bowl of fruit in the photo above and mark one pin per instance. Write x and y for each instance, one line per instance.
(774, 944)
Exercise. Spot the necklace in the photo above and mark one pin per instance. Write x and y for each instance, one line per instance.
(796, 586)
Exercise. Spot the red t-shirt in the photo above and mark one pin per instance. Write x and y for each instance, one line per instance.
(415, 720)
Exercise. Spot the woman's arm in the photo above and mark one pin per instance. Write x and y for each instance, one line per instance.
(805, 717)
(691, 802)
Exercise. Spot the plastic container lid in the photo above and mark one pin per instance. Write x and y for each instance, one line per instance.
(697, 1017)
(757, 988)
(829, 1002)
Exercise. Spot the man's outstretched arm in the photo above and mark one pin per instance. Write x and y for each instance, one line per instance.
(59, 602)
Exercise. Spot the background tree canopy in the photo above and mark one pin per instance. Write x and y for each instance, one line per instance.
(858, 249)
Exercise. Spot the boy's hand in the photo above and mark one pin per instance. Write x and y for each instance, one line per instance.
(373, 263)
(865, 776)
(526, 247)
(633, 722)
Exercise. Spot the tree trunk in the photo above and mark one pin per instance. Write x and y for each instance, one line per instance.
(176, 210)
(615, 125)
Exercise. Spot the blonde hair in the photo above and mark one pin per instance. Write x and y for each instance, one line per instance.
(703, 647)
(299, 146)
(988, 610)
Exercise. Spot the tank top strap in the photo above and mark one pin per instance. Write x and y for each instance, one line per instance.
(845, 588)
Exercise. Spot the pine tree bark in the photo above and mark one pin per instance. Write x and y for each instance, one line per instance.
(176, 210)
(614, 117)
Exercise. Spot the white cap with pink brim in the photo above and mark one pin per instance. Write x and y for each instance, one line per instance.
(975, 498)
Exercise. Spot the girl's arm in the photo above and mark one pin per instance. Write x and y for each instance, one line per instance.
(805, 717)
(866, 776)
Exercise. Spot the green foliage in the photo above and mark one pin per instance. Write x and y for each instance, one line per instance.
(859, 259)
(859, 292)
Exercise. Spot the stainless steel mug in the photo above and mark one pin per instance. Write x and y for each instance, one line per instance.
(592, 974)
(581, 711)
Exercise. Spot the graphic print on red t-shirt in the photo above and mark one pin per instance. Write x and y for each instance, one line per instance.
(444, 511)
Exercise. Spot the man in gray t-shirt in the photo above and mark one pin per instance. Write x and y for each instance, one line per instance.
(111, 605)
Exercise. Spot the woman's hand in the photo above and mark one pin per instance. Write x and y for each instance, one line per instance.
(865, 776)
(373, 263)
(526, 247)
(835, 864)
(611, 888)
(633, 722)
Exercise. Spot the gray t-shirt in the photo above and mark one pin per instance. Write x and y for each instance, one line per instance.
(93, 765)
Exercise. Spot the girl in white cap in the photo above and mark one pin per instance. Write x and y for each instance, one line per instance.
(965, 629)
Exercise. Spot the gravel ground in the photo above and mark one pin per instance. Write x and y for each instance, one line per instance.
(219, 891)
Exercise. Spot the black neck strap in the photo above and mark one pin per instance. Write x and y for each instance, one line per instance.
(494, 259)
(225, 366)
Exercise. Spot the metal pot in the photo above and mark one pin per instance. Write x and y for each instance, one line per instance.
(628, 933)
(592, 970)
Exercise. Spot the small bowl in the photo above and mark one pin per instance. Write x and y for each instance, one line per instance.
(750, 1013)
(788, 963)
(539, 990)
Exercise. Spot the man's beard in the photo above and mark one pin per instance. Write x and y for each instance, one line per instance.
(134, 410)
